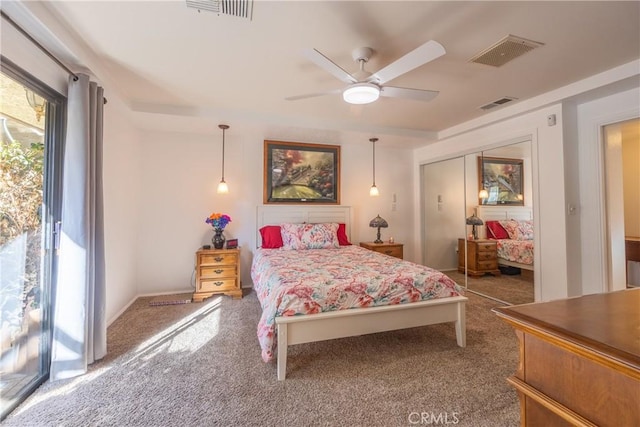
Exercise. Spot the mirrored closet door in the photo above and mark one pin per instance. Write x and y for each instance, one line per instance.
(499, 201)
(443, 215)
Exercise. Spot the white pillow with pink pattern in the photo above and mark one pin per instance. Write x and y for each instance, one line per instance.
(518, 229)
(309, 236)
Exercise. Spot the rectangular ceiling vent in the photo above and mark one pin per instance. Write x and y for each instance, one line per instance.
(239, 8)
(507, 49)
(498, 103)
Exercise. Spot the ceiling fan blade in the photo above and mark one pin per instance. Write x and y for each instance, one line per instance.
(313, 95)
(415, 94)
(417, 57)
(328, 65)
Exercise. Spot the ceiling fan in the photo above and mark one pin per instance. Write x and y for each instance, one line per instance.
(364, 87)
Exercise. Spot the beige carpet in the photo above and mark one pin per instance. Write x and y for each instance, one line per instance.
(199, 365)
(511, 289)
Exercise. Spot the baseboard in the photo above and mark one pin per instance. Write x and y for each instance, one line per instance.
(122, 310)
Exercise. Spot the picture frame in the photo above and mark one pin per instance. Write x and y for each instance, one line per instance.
(296, 172)
(232, 244)
(503, 179)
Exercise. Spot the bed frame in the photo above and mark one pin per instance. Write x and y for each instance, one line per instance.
(497, 213)
(293, 330)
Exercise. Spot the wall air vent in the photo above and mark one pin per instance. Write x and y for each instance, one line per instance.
(239, 8)
(507, 49)
(498, 103)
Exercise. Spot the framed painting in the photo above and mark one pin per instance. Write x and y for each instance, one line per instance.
(296, 172)
(502, 179)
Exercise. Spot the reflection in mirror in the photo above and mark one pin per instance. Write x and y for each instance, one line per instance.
(443, 214)
(499, 262)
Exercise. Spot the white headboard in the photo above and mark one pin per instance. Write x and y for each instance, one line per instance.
(274, 215)
(497, 213)
(502, 212)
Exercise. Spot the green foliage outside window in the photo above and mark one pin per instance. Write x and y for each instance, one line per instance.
(21, 184)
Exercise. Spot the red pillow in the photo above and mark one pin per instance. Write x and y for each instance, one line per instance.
(496, 231)
(271, 237)
(342, 235)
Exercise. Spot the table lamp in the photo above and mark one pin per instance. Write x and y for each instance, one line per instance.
(379, 223)
(473, 220)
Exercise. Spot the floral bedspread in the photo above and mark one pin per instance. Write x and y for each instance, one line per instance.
(516, 250)
(290, 282)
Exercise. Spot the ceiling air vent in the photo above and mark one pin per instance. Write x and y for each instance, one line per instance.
(507, 49)
(239, 8)
(498, 103)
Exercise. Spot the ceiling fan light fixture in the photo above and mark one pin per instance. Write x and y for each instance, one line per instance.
(361, 93)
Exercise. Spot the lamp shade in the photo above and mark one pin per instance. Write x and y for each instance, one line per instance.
(378, 222)
(361, 93)
(474, 220)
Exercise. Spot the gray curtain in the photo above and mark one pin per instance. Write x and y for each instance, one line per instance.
(79, 324)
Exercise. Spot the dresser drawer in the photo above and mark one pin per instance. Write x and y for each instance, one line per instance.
(486, 246)
(488, 265)
(216, 272)
(218, 259)
(213, 285)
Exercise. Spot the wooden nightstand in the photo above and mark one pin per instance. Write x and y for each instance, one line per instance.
(391, 249)
(217, 272)
(482, 257)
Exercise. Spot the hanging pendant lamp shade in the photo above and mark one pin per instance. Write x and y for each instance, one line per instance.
(373, 191)
(223, 188)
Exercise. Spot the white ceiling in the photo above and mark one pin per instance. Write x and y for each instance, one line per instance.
(198, 66)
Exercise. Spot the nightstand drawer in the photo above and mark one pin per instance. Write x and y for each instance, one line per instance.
(216, 272)
(395, 251)
(218, 259)
(484, 256)
(487, 265)
(212, 285)
(486, 246)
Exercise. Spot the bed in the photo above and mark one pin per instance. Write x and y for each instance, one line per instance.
(337, 291)
(512, 228)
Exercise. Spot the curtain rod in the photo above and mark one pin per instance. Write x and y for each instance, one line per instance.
(35, 42)
(42, 48)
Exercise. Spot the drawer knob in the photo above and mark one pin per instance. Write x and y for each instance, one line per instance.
(218, 271)
(218, 259)
(218, 283)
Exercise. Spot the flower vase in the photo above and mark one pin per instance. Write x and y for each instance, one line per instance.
(218, 238)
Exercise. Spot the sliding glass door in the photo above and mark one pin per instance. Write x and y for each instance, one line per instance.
(30, 132)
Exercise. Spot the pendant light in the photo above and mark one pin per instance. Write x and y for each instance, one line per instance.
(223, 188)
(483, 194)
(373, 191)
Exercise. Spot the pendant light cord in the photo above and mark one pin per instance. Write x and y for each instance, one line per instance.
(224, 128)
(373, 140)
(223, 154)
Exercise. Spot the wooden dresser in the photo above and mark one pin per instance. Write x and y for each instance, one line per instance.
(579, 360)
(217, 272)
(482, 257)
(391, 249)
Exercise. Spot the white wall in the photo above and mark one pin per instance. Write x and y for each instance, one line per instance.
(179, 174)
(121, 207)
